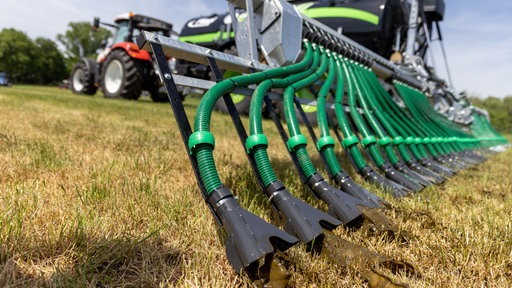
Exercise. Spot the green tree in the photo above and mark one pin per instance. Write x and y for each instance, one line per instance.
(51, 65)
(81, 41)
(500, 111)
(28, 61)
(17, 55)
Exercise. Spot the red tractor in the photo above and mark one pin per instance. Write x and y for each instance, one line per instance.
(122, 70)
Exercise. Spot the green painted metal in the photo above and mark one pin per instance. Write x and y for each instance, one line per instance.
(342, 12)
(206, 37)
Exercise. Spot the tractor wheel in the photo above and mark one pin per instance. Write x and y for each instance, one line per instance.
(121, 76)
(82, 79)
(242, 102)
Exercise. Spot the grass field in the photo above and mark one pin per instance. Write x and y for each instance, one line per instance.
(98, 192)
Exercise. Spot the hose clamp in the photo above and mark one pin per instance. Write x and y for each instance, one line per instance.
(349, 142)
(325, 141)
(295, 141)
(398, 140)
(368, 140)
(199, 138)
(385, 141)
(255, 140)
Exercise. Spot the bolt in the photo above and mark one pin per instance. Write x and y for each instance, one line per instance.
(155, 37)
(167, 76)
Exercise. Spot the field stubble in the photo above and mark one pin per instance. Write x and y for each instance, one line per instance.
(98, 192)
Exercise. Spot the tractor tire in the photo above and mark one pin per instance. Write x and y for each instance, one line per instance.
(242, 102)
(82, 78)
(121, 76)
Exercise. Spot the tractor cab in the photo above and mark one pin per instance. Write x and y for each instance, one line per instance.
(130, 24)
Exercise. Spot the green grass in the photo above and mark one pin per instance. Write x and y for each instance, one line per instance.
(98, 192)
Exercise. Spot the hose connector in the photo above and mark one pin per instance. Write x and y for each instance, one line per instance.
(295, 141)
(349, 141)
(200, 138)
(368, 140)
(409, 140)
(385, 141)
(254, 141)
(323, 142)
(398, 140)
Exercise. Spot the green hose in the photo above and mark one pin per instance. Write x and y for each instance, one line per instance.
(380, 113)
(444, 135)
(369, 141)
(297, 142)
(202, 142)
(326, 143)
(412, 129)
(363, 92)
(412, 99)
(485, 133)
(256, 143)
(350, 140)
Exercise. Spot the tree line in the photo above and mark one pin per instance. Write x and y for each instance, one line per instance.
(40, 61)
(500, 111)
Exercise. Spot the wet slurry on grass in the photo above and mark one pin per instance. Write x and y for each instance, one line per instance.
(98, 192)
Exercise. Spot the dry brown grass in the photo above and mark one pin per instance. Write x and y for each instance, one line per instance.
(100, 193)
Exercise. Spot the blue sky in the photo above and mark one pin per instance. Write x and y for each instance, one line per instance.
(477, 34)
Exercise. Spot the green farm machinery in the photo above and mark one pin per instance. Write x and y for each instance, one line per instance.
(401, 127)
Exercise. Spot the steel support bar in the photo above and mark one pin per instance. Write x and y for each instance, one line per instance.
(198, 54)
